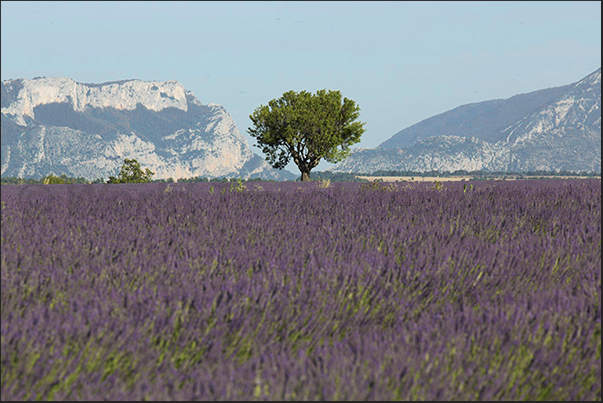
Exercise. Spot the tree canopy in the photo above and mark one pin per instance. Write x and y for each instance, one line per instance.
(54, 180)
(131, 172)
(306, 128)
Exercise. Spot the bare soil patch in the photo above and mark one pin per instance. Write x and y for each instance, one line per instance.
(459, 178)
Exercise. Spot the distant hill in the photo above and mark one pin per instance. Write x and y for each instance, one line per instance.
(555, 129)
(61, 127)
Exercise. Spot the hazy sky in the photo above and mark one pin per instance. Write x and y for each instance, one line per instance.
(402, 62)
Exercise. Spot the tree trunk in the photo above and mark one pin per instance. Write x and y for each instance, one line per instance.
(305, 176)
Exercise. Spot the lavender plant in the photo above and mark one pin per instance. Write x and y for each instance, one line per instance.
(133, 292)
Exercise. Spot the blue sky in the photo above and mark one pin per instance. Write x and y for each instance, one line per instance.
(402, 62)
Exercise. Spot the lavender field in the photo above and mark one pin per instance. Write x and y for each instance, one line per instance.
(266, 291)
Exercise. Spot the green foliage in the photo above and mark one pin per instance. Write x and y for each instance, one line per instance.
(53, 180)
(333, 177)
(168, 180)
(306, 128)
(50, 179)
(238, 187)
(131, 172)
(336, 177)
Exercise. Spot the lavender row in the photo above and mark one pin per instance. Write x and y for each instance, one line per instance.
(480, 290)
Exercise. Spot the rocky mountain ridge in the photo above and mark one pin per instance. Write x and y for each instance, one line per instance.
(59, 126)
(556, 129)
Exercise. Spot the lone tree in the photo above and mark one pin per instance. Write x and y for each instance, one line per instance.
(306, 128)
(132, 173)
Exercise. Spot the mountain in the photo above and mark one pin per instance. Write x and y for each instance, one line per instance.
(555, 129)
(59, 126)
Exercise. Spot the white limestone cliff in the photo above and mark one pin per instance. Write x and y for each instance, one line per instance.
(55, 125)
(125, 95)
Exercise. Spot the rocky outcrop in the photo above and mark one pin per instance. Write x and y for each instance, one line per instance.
(557, 129)
(55, 125)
